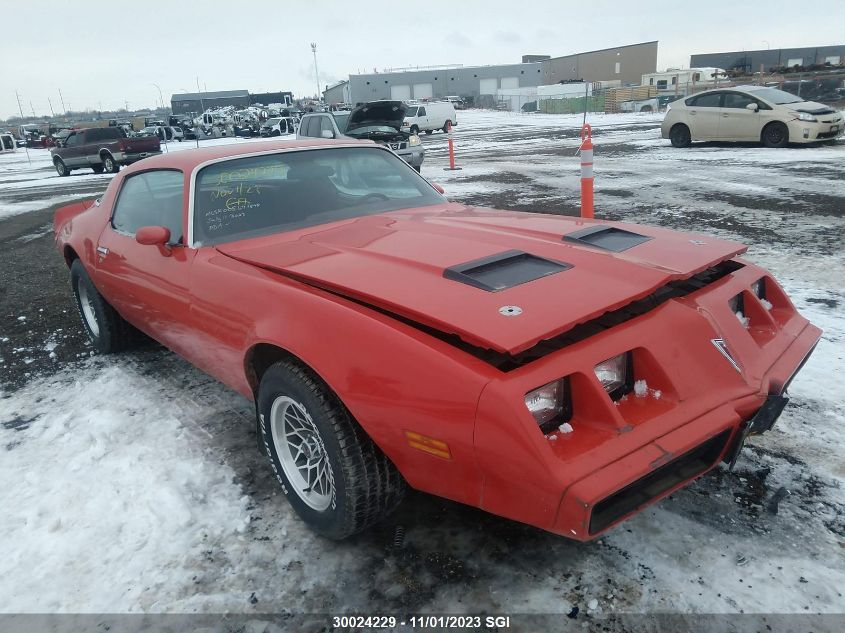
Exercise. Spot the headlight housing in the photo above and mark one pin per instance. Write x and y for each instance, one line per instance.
(550, 404)
(414, 140)
(616, 375)
(806, 116)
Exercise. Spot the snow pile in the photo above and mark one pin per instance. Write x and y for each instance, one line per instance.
(107, 496)
(766, 304)
(566, 427)
(743, 319)
(641, 389)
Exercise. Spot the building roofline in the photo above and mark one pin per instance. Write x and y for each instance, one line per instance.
(601, 50)
(769, 50)
(434, 70)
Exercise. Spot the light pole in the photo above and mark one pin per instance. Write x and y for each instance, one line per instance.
(160, 98)
(767, 45)
(316, 72)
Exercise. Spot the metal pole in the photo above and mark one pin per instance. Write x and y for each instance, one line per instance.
(50, 103)
(586, 96)
(316, 70)
(160, 98)
(63, 102)
(26, 147)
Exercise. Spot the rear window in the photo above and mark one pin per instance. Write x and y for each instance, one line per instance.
(262, 195)
(707, 100)
(95, 135)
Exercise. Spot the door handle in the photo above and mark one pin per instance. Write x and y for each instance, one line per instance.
(692, 113)
(103, 251)
(724, 114)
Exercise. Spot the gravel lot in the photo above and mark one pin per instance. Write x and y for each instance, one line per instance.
(71, 422)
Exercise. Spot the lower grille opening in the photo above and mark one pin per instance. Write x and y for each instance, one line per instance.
(657, 482)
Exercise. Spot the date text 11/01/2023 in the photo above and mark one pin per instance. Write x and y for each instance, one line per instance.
(421, 621)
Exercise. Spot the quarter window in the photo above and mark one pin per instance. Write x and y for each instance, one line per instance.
(151, 198)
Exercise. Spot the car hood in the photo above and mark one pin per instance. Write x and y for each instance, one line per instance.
(811, 107)
(397, 263)
(390, 113)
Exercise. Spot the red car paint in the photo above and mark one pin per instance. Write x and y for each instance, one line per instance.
(365, 304)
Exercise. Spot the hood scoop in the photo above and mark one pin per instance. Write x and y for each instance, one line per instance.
(503, 270)
(608, 238)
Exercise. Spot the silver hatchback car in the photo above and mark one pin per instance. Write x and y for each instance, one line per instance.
(750, 113)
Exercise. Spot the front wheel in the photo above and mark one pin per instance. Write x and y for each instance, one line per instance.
(775, 134)
(61, 168)
(417, 167)
(680, 136)
(415, 129)
(98, 169)
(108, 331)
(334, 476)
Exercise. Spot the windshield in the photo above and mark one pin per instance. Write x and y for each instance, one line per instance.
(262, 195)
(777, 97)
(410, 112)
(341, 120)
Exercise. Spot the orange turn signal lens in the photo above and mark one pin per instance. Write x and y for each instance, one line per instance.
(429, 445)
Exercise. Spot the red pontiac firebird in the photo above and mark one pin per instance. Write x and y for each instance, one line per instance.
(557, 371)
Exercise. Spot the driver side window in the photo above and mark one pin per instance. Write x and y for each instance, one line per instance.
(421, 112)
(151, 198)
(72, 140)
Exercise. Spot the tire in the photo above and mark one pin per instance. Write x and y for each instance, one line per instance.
(775, 134)
(354, 484)
(110, 166)
(61, 168)
(446, 126)
(98, 169)
(108, 331)
(680, 135)
(417, 167)
(415, 129)
(429, 131)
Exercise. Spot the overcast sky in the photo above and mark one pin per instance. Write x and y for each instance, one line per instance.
(105, 54)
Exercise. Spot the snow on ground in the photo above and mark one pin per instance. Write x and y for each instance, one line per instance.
(133, 483)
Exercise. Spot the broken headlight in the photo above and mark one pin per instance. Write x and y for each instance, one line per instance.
(616, 375)
(550, 404)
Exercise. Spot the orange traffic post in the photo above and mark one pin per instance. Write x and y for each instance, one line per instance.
(451, 166)
(586, 171)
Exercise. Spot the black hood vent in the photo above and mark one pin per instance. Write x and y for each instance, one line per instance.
(607, 238)
(503, 270)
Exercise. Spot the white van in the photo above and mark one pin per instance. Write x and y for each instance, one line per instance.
(427, 117)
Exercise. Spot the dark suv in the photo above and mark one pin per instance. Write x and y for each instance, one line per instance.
(103, 149)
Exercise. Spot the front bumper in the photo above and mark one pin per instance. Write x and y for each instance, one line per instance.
(413, 155)
(827, 129)
(622, 456)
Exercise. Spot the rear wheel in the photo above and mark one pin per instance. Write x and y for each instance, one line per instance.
(334, 476)
(98, 169)
(447, 125)
(775, 134)
(61, 168)
(429, 131)
(108, 331)
(680, 136)
(110, 166)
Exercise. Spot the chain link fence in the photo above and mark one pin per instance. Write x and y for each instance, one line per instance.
(826, 87)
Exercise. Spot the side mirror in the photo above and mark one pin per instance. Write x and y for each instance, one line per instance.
(327, 134)
(438, 187)
(752, 106)
(153, 235)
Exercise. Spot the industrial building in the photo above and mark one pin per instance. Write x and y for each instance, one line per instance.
(623, 65)
(187, 102)
(338, 93)
(626, 64)
(770, 59)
